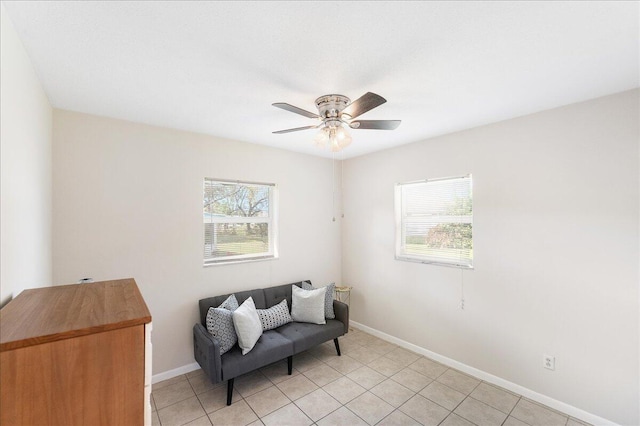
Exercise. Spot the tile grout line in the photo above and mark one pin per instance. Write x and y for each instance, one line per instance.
(176, 402)
(345, 406)
(396, 409)
(465, 398)
(249, 405)
(415, 393)
(321, 387)
(547, 408)
(490, 406)
(199, 402)
(511, 411)
(254, 411)
(439, 405)
(460, 403)
(482, 402)
(328, 414)
(154, 404)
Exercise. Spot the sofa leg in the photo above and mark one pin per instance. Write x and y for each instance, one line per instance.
(337, 346)
(290, 364)
(229, 391)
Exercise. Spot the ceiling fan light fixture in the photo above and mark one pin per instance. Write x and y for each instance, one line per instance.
(322, 137)
(335, 137)
(341, 139)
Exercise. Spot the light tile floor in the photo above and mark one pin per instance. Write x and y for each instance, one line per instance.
(373, 383)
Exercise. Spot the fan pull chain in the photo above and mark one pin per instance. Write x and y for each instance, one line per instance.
(333, 186)
(342, 184)
(461, 288)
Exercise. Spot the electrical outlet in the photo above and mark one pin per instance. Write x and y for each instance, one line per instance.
(549, 362)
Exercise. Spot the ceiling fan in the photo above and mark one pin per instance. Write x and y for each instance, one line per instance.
(334, 111)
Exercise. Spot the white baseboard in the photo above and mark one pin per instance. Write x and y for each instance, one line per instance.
(174, 373)
(528, 393)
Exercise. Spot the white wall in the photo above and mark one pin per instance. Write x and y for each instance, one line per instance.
(25, 152)
(128, 203)
(556, 247)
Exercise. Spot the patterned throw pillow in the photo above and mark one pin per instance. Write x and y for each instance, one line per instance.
(220, 325)
(328, 298)
(231, 303)
(275, 316)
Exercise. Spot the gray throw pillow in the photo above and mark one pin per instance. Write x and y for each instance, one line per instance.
(220, 325)
(275, 316)
(231, 303)
(328, 298)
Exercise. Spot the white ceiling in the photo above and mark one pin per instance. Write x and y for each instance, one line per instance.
(216, 67)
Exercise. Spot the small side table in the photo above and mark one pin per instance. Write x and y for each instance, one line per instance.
(343, 294)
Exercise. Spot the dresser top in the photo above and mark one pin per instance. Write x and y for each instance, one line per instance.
(48, 314)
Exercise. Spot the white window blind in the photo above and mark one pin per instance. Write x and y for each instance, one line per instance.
(239, 221)
(434, 221)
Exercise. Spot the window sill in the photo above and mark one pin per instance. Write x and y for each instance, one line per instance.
(236, 261)
(435, 263)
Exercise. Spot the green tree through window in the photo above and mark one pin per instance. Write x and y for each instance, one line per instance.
(435, 221)
(238, 221)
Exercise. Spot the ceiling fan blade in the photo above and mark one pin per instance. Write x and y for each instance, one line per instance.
(365, 103)
(296, 129)
(375, 124)
(295, 109)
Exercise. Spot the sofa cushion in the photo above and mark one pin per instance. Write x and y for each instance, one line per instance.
(275, 316)
(273, 295)
(328, 298)
(306, 335)
(308, 305)
(257, 296)
(271, 347)
(248, 325)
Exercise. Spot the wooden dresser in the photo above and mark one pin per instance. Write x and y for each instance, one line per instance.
(76, 355)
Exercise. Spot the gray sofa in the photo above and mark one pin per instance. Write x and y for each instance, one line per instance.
(274, 345)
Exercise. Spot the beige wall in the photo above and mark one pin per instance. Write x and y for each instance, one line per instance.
(128, 203)
(556, 235)
(25, 153)
(556, 208)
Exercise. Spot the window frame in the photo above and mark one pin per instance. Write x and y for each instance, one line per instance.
(400, 217)
(271, 220)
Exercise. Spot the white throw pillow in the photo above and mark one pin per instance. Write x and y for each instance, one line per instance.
(307, 305)
(328, 298)
(248, 325)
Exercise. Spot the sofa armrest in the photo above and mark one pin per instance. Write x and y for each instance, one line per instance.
(206, 350)
(341, 310)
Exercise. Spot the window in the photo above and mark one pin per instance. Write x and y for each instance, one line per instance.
(434, 221)
(239, 221)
